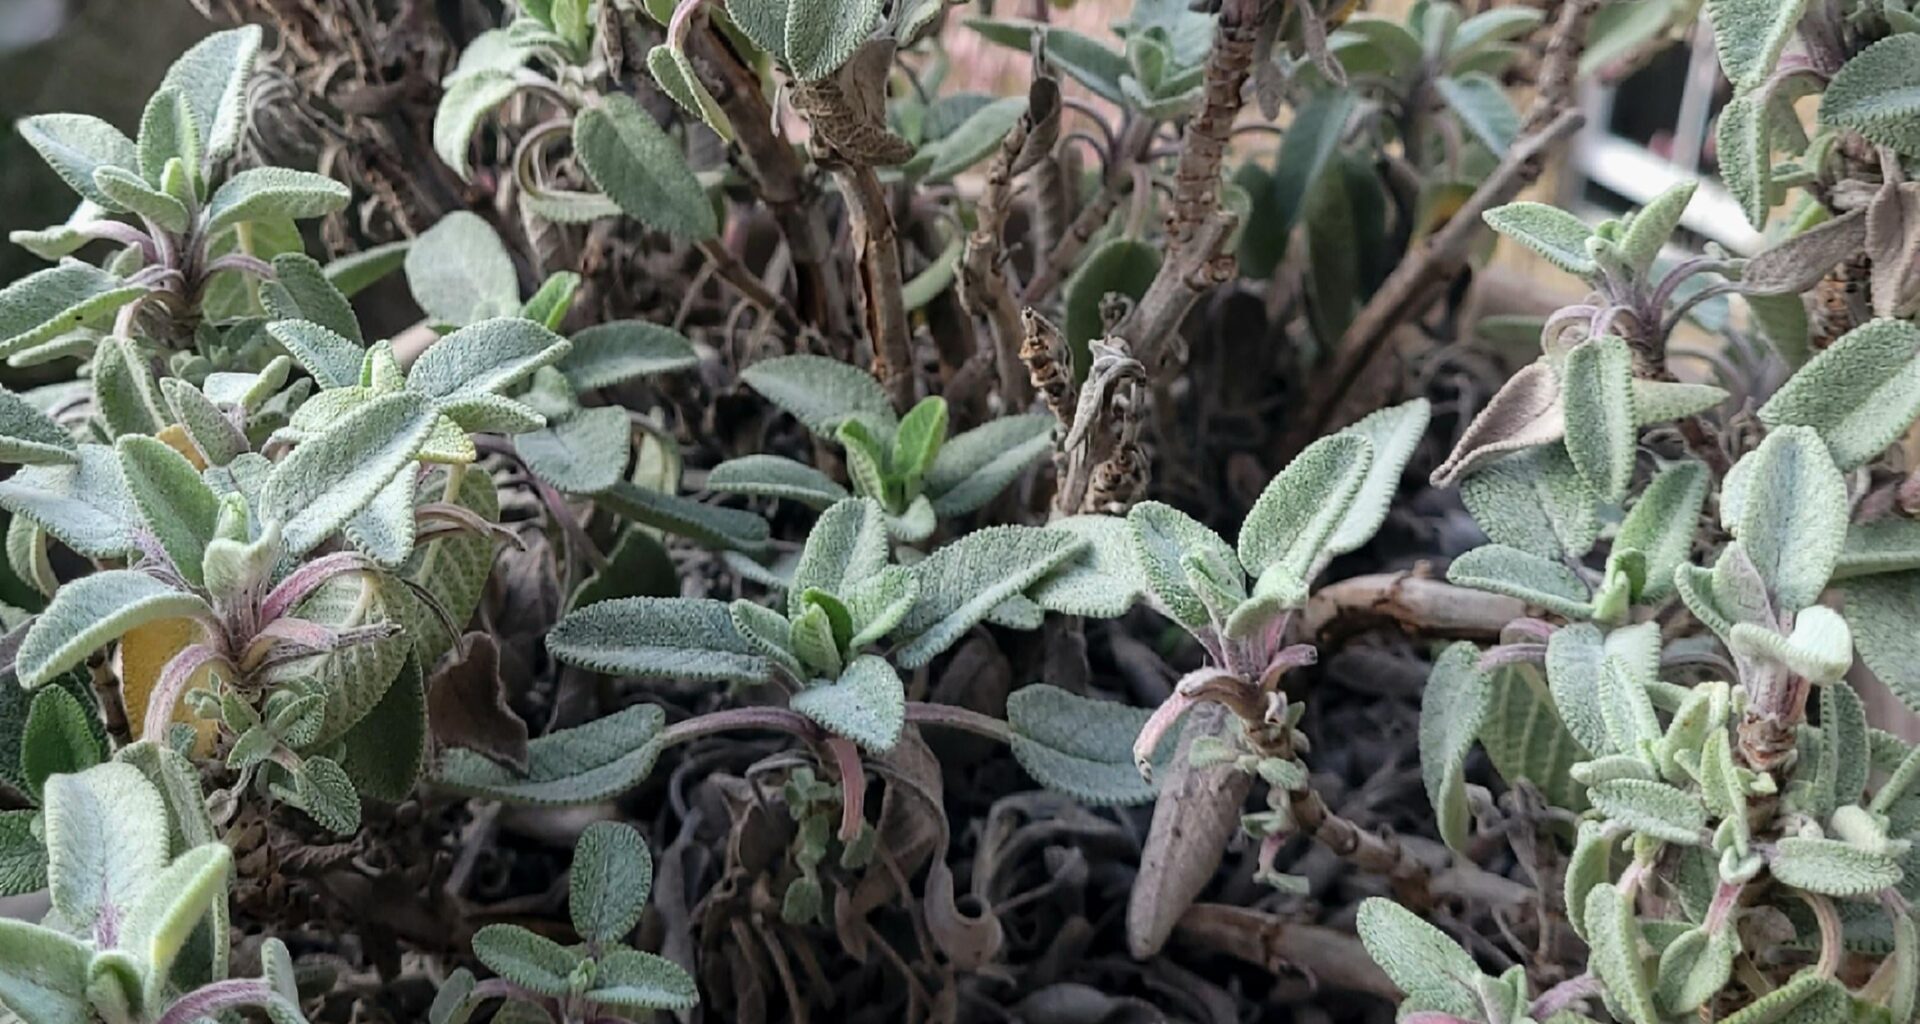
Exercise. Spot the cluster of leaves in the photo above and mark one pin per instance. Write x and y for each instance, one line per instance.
(1695, 775)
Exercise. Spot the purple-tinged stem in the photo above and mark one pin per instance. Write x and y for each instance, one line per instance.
(308, 578)
(179, 671)
(209, 1000)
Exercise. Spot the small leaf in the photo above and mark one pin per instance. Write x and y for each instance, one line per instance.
(1538, 581)
(1882, 546)
(1662, 524)
(774, 476)
(1613, 935)
(273, 193)
(1873, 94)
(1103, 580)
(622, 350)
(355, 272)
(1453, 707)
(1434, 972)
(1832, 867)
(608, 886)
(586, 453)
(1793, 521)
(1301, 507)
(58, 739)
(92, 611)
(1750, 34)
(467, 101)
(484, 358)
(715, 527)
(1653, 809)
(1589, 866)
(643, 170)
(846, 546)
(632, 981)
(660, 638)
(75, 146)
(179, 509)
(1861, 393)
(867, 704)
(676, 77)
(460, 273)
(530, 961)
(1881, 611)
(386, 750)
(821, 35)
(106, 832)
(972, 468)
(965, 580)
(168, 132)
(1535, 500)
(324, 481)
(1394, 432)
(23, 861)
(1652, 225)
(29, 437)
(212, 78)
(1081, 746)
(51, 302)
(85, 506)
(822, 393)
(1482, 106)
(176, 902)
(969, 142)
(300, 290)
(1558, 236)
(1598, 398)
(43, 974)
(1164, 538)
(583, 765)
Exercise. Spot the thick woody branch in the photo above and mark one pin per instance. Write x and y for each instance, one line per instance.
(984, 289)
(877, 253)
(1197, 228)
(776, 172)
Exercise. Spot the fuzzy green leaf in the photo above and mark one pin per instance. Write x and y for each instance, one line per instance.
(1750, 35)
(386, 750)
(1650, 227)
(969, 142)
(176, 902)
(1558, 236)
(631, 981)
(660, 638)
(1832, 867)
(1164, 539)
(1793, 519)
(1301, 507)
(77, 145)
(1525, 737)
(867, 704)
(1394, 432)
(1535, 500)
(972, 468)
(29, 437)
(1529, 577)
(1653, 809)
(1081, 746)
(85, 506)
(43, 974)
(1861, 393)
(963, 581)
(676, 77)
(775, 476)
(1119, 266)
(822, 393)
(583, 765)
(467, 101)
(23, 861)
(460, 273)
(1613, 935)
(1103, 580)
(639, 167)
(274, 193)
(484, 358)
(707, 524)
(1882, 546)
(530, 961)
(1598, 397)
(1589, 866)
(1452, 709)
(612, 875)
(300, 291)
(586, 453)
(1877, 93)
(51, 302)
(1881, 611)
(106, 831)
(1482, 106)
(821, 35)
(58, 739)
(92, 611)
(212, 78)
(622, 350)
(1434, 972)
(1662, 523)
(325, 480)
(848, 544)
(179, 509)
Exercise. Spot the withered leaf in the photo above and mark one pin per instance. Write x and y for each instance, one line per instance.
(467, 705)
(1525, 412)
